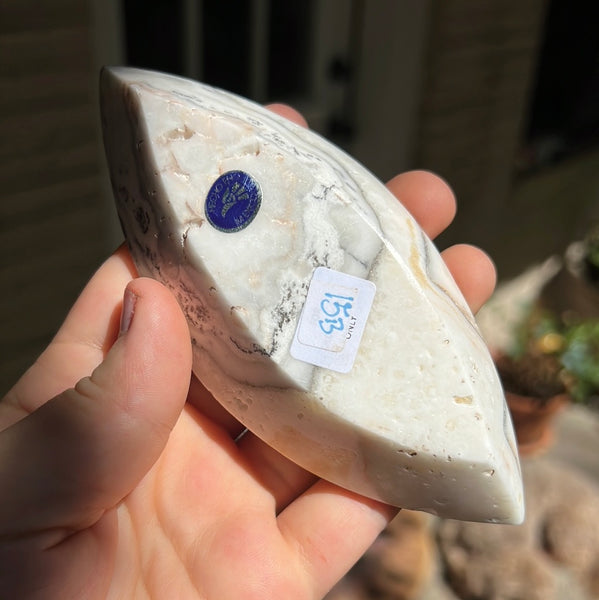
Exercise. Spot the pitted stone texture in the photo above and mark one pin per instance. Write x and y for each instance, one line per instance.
(420, 420)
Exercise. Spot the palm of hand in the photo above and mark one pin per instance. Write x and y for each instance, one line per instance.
(131, 484)
(212, 517)
(199, 524)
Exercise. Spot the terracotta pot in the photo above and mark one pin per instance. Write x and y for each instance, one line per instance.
(533, 420)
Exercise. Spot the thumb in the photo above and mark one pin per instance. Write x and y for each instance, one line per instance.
(82, 452)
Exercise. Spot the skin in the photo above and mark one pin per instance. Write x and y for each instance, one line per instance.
(124, 479)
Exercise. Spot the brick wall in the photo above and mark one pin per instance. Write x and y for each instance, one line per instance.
(480, 69)
(52, 218)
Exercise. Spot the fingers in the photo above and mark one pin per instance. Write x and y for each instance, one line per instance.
(89, 330)
(84, 450)
(94, 318)
(432, 203)
(289, 113)
(473, 271)
(427, 197)
(284, 479)
(328, 517)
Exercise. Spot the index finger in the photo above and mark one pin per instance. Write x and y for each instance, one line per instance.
(88, 332)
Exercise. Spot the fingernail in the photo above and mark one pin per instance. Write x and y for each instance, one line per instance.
(128, 310)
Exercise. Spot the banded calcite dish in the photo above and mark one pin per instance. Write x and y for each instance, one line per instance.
(320, 314)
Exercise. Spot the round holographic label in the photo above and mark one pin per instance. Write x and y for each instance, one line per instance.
(233, 201)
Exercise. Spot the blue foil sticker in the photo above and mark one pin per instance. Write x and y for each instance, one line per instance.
(233, 201)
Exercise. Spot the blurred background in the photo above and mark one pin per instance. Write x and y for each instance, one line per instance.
(499, 97)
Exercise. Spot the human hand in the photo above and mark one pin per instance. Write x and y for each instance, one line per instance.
(130, 484)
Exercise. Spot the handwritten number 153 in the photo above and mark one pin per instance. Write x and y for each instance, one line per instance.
(332, 309)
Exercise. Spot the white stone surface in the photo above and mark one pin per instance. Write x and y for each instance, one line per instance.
(420, 419)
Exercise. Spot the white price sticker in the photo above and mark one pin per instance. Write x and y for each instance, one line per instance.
(333, 320)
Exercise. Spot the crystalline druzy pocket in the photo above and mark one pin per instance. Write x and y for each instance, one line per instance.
(320, 314)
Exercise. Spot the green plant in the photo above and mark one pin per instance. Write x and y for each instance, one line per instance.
(556, 344)
(580, 358)
(555, 355)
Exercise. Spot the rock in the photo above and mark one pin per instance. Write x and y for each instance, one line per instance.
(320, 314)
(400, 562)
(398, 566)
(554, 552)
